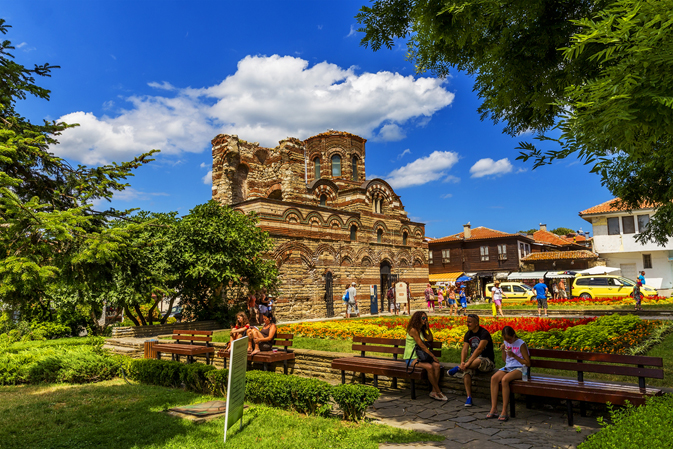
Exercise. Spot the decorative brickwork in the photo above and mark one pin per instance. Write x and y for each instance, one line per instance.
(327, 220)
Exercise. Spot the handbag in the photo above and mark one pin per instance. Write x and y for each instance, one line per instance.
(344, 298)
(421, 357)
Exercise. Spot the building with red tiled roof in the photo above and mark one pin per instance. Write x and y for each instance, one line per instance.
(482, 251)
(553, 241)
(560, 260)
(615, 230)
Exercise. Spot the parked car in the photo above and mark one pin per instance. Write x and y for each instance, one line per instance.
(607, 286)
(515, 291)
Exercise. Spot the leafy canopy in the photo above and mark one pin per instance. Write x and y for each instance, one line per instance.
(596, 74)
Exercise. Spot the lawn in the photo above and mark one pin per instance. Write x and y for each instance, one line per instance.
(533, 306)
(113, 414)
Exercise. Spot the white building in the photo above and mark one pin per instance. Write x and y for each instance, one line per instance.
(614, 240)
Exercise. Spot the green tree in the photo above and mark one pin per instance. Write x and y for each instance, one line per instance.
(562, 231)
(49, 229)
(530, 231)
(596, 74)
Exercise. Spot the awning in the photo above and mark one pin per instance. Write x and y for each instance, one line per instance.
(524, 275)
(501, 275)
(561, 274)
(444, 277)
(485, 274)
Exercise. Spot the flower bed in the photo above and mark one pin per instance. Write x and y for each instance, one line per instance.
(588, 302)
(613, 334)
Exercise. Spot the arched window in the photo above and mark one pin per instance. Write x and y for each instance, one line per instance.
(323, 200)
(379, 236)
(336, 166)
(316, 166)
(354, 232)
(354, 166)
(404, 238)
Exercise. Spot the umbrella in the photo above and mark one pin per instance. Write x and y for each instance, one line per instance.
(598, 270)
(464, 279)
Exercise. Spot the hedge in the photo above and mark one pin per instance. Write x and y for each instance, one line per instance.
(354, 399)
(305, 395)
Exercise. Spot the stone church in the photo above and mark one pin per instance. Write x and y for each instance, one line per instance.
(331, 226)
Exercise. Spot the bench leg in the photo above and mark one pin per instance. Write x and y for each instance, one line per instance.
(343, 376)
(569, 404)
(529, 402)
(413, 389)
(512, 407)
(394, 384)
(583, 409)
(266, 366)
(158, 355)
(285, 367)
(376, 380)
(207, 359)
(363, 378)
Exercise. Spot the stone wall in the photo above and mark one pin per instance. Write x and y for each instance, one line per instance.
(161, 329)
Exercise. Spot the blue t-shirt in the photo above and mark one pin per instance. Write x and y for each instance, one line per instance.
(540, 289)
(641, 278)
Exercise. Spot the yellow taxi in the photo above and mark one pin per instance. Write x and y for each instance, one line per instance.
(515, 291)
(607, 286)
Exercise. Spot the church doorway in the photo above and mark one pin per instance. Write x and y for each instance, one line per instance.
(387, 280)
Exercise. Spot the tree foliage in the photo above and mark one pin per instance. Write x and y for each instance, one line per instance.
(594, 73)
(562, 231)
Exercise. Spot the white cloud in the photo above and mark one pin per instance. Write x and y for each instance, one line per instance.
(22, 44)
(128, 194)
(446, 196)
(320, 27)
(423, 170)
(352, 32)
(451, 178)
(265, 100)
(204, 165)
(489, 167)
(208, 179)
(403, 153)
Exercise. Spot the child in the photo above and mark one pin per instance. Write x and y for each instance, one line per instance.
(452, 300)
(440, 296)
(517, 359)
(463, 300)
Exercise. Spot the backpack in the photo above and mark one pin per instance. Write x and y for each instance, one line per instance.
(344, 298)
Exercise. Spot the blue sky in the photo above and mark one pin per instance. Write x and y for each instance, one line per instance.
(170, 75)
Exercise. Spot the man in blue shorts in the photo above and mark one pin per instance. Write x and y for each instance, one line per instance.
(542, 291)
(463, 299)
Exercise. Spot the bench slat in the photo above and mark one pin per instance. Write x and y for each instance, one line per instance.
(390, 341)
(189, 338)
(597, 357)
(390, 368)
(284, 336)
(188, 332)
(604, 369)
(380, 349)
(183, 349)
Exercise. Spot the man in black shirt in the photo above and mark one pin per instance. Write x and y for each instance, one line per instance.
(479, 345)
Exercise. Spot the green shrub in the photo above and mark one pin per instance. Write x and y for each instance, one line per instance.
(194, 377)
(310, 396)
(635, 426)
(354, 399)
(167, 373)
(217, 382)
(48, 330)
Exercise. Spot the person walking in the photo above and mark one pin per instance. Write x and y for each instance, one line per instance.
(562, 290)
(516, 357)
(430, 298)
(394, 306)
(352, 302)
(641, 277)
(497, 295)
(463, 300)
(477, 355)
(419, 327)
(541, 291)
(637, 295)
(452, 301)
(440, 296)
(554, 289)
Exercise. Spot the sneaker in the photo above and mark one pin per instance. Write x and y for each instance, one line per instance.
(468, 403)
(453, 371)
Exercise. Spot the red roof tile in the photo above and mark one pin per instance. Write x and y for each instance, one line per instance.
(479, 233)
(560, 255)
(611, 206)
(550, 238)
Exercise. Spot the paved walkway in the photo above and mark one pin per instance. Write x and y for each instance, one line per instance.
(466, 427)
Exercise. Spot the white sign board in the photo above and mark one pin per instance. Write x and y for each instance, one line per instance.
(401, 293)
(238, 362)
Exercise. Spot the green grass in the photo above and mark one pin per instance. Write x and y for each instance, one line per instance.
(569, 309)
(113, 414)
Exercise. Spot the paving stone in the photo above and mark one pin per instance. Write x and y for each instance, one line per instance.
(469, 426)
(462, 436)
(463, 419)
(487, 431)
(425, 414)
(507, 441)
(521, 446)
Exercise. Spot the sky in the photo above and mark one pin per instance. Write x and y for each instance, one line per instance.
(171, 75)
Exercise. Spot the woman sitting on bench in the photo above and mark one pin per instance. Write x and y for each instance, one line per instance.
(239, 330)
(418, 326)
(517, 359)
(263, 339)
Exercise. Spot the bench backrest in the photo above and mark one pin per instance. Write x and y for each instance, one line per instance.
(608, 363)
(394, 346)
(284, 340)
(192, 336)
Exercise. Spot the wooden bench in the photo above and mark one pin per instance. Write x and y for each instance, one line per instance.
(382, 366)
(282, 354)
(189, 349)
(588, 391)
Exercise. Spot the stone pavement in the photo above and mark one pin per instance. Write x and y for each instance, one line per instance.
(466, 427)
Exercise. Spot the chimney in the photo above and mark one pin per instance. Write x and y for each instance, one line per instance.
(543, 227)
(467, 232)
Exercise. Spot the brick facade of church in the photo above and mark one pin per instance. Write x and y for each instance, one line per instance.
(330, 225)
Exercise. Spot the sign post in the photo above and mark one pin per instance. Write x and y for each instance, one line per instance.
(401, 296)
(238, 363)
(373, 301)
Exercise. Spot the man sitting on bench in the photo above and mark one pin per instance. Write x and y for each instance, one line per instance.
(263, 339)
(479, 341)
